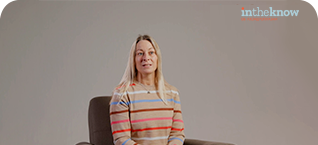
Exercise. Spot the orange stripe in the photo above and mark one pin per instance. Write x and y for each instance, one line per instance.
(177, 111)
(177, 129)
(155, 128)
(118, 112)
(133, 84)
(119, 87)
(118, 131)
(155, 109)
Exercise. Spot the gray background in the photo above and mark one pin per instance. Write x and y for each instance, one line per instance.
(244, 82)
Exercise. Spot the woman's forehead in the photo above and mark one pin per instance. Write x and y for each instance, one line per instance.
(144, 45)
(142, 49)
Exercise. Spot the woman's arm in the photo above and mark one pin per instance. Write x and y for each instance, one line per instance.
(119, 118)
(176, 136)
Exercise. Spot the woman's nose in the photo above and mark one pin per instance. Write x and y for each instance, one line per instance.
(146, 57)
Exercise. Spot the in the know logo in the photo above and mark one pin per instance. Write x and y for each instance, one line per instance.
(262, 15)
(269, 12)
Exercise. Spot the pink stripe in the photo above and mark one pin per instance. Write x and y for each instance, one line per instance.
(120, 121)
(178, 120)
(150, 119)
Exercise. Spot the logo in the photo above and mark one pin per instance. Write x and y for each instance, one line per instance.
(264, 14)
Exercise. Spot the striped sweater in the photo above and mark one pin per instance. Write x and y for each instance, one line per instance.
(141, 117)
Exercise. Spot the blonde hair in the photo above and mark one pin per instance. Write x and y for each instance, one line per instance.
(131, 71)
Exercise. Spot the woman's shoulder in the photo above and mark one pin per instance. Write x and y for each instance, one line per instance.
(122, 89)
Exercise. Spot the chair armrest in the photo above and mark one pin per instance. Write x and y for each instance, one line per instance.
(201, 142)
(84, 143)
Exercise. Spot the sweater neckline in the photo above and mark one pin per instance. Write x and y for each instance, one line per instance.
(140, 84)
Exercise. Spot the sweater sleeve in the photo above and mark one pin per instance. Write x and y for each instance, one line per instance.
(177, 136)
(120, 121)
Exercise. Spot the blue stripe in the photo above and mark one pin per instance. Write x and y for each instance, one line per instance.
(125, 141)
(141, 101)
(175, 138)
(175, 101)
(115, 103)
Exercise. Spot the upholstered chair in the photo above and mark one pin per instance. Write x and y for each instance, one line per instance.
(100, 130)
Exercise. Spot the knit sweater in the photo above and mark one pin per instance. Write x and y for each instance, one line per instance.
(141, 117)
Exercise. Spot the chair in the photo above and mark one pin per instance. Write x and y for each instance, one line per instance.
(100, 130)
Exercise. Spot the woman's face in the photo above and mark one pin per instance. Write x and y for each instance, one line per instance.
(146, 58)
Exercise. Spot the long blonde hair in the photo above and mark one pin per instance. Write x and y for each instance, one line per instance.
(131, 71)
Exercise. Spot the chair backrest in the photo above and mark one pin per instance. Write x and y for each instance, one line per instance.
(99, 121)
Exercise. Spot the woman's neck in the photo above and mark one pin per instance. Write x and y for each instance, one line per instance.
(148, 80)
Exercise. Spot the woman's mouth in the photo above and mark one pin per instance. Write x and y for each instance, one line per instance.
(145, 65)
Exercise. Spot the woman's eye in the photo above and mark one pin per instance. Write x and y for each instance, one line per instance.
(140, 53)
(151, 52)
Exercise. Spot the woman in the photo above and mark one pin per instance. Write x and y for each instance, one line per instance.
(144, 108)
